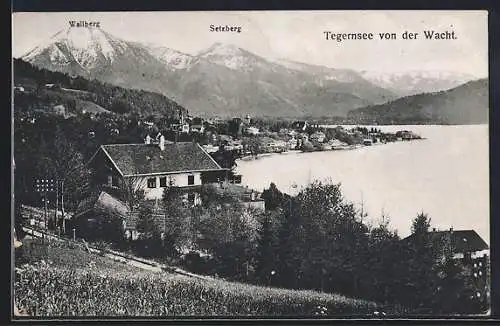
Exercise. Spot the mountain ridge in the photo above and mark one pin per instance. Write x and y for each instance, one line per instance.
(218, 80)
(222, 80)
(453, 106)
(418, 81)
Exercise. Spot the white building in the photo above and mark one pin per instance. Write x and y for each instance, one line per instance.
(153, 166)
(252, 131)
(318, 136)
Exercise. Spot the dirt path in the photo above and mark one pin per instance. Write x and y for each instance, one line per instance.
(117, 256)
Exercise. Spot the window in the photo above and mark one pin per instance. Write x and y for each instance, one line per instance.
(163, 182)
(190, 179)
(152, 183)
(110, 180)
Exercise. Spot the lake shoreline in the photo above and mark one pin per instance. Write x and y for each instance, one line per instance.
(247, 158)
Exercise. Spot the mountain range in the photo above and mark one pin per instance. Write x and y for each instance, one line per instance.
(415, 82)
(226, 80)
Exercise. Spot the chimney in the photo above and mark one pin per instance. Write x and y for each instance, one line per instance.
(162, 143)
(147, 140)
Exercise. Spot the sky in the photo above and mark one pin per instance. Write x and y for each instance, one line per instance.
(292, 35)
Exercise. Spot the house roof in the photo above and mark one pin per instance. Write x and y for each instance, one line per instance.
(461, 240)
(147, 159)
(102, 201)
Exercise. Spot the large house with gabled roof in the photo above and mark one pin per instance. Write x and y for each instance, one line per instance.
(153, 166)
(464, 244)
(467, 247)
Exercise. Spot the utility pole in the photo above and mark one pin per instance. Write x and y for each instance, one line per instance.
(45, 210)
(164, 228)
(56, 220)
(62, 207)
(44, 186)
(193, 223)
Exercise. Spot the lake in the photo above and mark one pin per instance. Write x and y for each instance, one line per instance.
(445, 175)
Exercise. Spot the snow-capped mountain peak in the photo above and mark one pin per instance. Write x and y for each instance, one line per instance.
(417, 81)
(85, 45)
(221, 49)
(230, 56)
(172, 58)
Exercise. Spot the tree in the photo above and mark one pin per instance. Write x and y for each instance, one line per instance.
(273, 197)
(108, 227)
(421, 275)
(130, 193)
(307, 146)
(457, 289)
(59, 159)
(228, 238)
(420, 225)
(145, 223)
(226, 159)
(177, 232)
(208, 194)
(321, 246)
(211, 194)
(120, 106)
(267, 248)
(382, 262)
(234, 127)
(150, 233)
(70, 167)
(253, 145)
(291, 246)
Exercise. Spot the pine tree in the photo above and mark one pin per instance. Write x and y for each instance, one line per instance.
(422, 279)
(381, 262)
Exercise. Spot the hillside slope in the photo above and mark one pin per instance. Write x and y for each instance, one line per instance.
(78, 94)
(89, 285)
(465, 104)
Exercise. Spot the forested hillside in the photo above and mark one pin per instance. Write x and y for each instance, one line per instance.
(111, 98)
(465, 104)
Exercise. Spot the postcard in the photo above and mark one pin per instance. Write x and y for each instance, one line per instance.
(251, 164)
